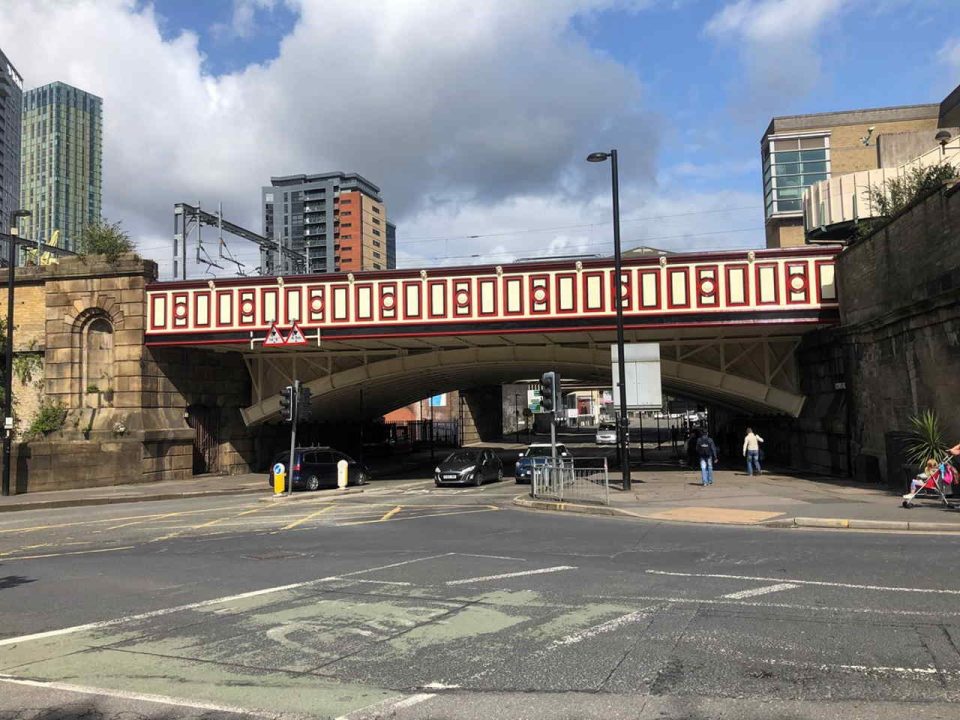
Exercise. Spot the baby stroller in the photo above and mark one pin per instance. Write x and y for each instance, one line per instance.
(934, 486)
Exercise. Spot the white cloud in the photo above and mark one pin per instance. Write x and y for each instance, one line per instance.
(778, 41)
(474, 114)
(949, 55)
(243, 20)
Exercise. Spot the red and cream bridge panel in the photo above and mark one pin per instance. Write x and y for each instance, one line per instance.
(704, 288)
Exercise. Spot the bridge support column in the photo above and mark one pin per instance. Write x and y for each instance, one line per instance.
(482, 414)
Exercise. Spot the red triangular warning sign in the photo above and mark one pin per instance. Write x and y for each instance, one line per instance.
(274, 337)
(296, 336)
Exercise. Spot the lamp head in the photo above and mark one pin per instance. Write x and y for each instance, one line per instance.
(943, 137)
(597, 157)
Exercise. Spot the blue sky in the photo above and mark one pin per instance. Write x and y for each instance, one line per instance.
(474, 118)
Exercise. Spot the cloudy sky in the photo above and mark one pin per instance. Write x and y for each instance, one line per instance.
(474, 118)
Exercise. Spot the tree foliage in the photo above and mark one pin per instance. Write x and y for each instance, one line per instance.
(896, 195)
(105, 238)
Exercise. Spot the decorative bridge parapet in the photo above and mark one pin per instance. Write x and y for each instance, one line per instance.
(703, 289)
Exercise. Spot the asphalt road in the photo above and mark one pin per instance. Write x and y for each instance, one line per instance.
(409, 601)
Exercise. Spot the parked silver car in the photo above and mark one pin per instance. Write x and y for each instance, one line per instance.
(607, 434)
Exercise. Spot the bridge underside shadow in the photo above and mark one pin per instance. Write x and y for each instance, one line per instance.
(756, 375)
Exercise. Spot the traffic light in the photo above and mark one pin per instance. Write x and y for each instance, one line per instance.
(286, 404)
(303, 404)
(549, 391)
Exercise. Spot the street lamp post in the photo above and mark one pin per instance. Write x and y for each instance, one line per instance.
(624, 434)
(8, 350)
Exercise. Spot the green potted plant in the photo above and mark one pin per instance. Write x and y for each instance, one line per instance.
(926, 439)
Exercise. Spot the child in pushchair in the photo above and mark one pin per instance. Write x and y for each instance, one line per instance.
(932, 482)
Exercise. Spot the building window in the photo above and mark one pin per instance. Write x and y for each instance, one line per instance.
(375, 209)
(376, 221)
(790, 164)
(377, 256)
(378, 266)
(376, 232)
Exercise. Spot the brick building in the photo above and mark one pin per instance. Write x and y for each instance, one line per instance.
(800, 150)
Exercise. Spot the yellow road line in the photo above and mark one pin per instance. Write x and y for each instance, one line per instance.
(75, 552)
(212, 522)
(41, 545)
(306, 518)
(35, 528)
(390, 513)
(417, 517)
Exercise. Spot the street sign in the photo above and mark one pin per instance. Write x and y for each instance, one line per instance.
(642, 371)
(296, 336)
(274, 337)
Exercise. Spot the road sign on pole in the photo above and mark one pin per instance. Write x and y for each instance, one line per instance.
(274, 337)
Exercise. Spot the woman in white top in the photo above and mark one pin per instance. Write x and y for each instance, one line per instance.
(751, 451)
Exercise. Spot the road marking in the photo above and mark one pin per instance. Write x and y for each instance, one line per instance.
(601, 628)
(306, 518)
(760, 591)
(819, 583)
(142, 697)
(41, 545)
(153, 517)
(493, 557)
(487, 508)
(210, 523)
(204, 603)
(63, 554)
(35, 528)
(777, 606)
(390, 513)
(382, 582)
(412, 700)
(558, 568)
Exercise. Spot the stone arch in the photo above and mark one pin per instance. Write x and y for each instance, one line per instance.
(394, 382)
(93, 358)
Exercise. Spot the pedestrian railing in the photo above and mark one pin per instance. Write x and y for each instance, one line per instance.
(572, 480)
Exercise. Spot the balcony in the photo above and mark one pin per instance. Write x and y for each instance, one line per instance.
(832, 207)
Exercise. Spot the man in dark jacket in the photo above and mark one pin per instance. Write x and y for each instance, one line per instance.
(707, 451)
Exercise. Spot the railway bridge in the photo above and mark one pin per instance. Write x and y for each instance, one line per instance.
(163, 379)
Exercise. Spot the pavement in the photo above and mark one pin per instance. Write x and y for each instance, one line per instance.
(777, 499)
(661, 492)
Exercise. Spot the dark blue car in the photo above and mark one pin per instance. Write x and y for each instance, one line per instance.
(535, 455)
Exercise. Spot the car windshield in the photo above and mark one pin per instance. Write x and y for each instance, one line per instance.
(607, 426)
(463, 456)
(541, 451)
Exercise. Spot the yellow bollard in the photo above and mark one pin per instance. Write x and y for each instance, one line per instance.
(279, 479)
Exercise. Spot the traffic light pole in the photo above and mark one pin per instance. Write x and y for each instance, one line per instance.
(294, 416)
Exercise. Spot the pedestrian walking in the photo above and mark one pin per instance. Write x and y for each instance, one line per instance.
(707, 451)
(691, 448)
(751, 451)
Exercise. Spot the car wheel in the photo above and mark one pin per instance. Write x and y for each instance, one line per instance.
(478, 478)
(437, 483)
(313, 483)
(500, 475)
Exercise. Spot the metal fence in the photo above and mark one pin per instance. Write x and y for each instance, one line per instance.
(572, 479)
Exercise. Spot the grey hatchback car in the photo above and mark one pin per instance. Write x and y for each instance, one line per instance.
(316, 467)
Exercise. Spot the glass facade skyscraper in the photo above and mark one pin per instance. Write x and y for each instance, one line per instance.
(11, 97)
(61, 162)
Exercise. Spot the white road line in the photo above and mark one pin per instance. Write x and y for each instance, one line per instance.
(386, 708)
(760, 591)
(484, 578)
(202, 604)
(381, 582)
(778, 606)
(820, 583)
(142, 697)
(412, 700)
(494, 557)
(601, 628)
